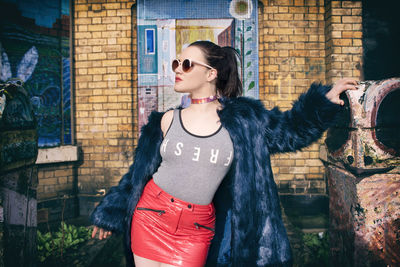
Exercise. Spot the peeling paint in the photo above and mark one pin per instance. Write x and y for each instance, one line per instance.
(364, 184)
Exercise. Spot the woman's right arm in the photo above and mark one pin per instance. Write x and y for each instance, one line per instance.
(312, 113)
(109, 215)
(112, 212)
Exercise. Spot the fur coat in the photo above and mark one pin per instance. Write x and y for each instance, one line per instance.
(249, 227)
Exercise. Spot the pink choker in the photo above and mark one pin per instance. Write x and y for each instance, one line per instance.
(203, 100)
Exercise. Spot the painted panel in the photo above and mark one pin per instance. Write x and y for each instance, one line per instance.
(167, 97)
(34, 43)
(183, 9)
(147, 101)
(147, 70)
(181, 22)
(246, 43)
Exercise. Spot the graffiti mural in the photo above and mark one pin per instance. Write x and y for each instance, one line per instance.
(165, 28)
(34, 47)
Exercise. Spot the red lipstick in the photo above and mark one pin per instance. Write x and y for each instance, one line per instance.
(177, 79)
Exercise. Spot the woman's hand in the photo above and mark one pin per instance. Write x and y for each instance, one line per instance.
(339, 87)
(102, 233)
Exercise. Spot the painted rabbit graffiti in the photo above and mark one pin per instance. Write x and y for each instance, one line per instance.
(38, 70)
(48, 96)
(25, 69)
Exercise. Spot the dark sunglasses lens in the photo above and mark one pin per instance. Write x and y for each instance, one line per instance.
(186, 65)
(175, 64)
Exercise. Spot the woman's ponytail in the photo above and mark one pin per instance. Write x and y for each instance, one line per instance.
(224, 60)
(231, 86)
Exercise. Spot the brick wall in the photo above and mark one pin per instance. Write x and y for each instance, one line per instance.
(343, 29)
(104, 97)
(293, 54)
(300, 41)
(56, 186)
(55, 179)
(105, 90)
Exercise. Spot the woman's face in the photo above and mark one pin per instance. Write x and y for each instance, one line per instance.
(197, 77)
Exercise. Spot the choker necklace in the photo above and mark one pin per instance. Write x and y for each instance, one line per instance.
(203, 100)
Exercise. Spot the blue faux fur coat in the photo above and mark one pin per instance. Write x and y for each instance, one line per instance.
(249, 227)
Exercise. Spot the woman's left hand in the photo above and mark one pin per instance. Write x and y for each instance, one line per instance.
(339, 87)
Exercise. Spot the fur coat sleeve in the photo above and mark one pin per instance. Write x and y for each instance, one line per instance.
(309, 117)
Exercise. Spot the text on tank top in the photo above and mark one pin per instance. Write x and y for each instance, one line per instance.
(193, 166)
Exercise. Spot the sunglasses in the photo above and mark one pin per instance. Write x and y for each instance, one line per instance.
(187, 64)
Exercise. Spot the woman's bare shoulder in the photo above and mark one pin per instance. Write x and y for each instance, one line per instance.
(166, 120)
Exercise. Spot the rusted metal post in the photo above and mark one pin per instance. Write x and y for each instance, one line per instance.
(362, 157)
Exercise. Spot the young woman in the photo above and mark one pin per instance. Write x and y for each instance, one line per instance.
(200, 190)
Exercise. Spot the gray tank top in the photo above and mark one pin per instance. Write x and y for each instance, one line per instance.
(192, 166)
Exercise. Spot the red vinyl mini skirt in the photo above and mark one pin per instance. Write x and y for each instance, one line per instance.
(169, 230)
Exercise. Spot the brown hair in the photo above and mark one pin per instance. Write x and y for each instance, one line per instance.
(224, 60)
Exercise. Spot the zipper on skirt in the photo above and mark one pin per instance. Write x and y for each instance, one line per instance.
(206, 227)
(160, 212)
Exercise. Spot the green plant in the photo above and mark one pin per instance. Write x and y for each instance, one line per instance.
(54, 244)
(314, 250)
